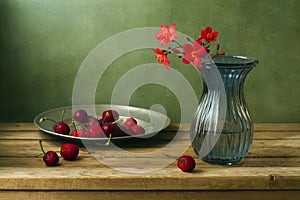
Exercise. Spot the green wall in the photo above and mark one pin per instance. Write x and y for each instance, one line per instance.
(43, 43)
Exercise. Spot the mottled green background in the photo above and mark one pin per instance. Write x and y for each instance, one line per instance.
(43, 43)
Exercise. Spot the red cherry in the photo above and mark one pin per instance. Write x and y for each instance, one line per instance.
(110, 115)
(108, 129)
(130, 122)
(82, 133)
(137, 130)
(92, 121)
(74, 133)
(117, 132)
(186, 163)
(222, 53)
(69, 151)
(95, 131)
(62, 128)
(80, 116)
(51, 158)
(101, 122)
(129, 131)
(79, 133)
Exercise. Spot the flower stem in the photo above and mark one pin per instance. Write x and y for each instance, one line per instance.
(177, 43)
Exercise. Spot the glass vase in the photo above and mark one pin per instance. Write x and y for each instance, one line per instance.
(222, 129)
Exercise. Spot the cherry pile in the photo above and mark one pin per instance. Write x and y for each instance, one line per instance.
(67, 151)
(109, 125)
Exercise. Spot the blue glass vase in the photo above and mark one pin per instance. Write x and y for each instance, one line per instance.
(222, 129)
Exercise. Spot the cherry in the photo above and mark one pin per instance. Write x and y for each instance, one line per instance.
(118, 130)
(62, 128)
(92, 121)
(101, 122)
(69, 151)
(110, 115)
(74, 133)
(78, 132)
(95, 131)
(137, 130)
(50, 158)
(81, 116)
(130, 122)
(82, 133)
(186, 163)
(129, 131)
(108, 129)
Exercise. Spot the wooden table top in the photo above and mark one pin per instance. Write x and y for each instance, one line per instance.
(271, 167)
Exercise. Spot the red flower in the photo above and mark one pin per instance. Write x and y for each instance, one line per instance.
(162, 57)
(166, 35)
(193, 53)
(208, 35)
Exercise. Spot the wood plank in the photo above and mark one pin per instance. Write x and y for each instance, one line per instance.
(83, 159)
(273, 127)
(149, 195)
(267, 148)
(229, 178)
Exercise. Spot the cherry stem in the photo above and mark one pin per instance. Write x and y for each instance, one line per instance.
(118, 120)
(73, 122)
(62, 115)
(42, 147)
(80, 124)
(39, 154)
(45, 118)
(174, 158)
(108, 141)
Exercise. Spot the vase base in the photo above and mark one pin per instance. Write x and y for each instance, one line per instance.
(221, 161)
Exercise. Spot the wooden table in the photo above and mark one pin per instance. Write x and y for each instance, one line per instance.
(270, 171)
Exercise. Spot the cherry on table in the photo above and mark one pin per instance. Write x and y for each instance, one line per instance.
(50, 157)
(69, 151)
(186, 163)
